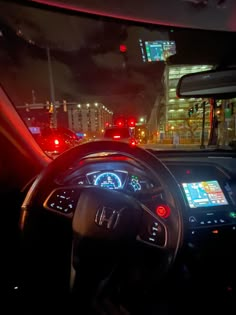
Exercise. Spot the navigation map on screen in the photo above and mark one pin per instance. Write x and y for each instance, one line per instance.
(204, 194)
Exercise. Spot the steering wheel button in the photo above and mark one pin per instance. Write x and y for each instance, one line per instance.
(62, 201)
(151, 239)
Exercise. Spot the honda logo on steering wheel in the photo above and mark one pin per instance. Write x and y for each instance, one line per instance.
(108, 217)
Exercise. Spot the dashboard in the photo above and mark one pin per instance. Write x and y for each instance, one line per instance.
(208, 189)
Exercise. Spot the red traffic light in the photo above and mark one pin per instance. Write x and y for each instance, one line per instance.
(123, 48)
(120, 122)
(131, 122)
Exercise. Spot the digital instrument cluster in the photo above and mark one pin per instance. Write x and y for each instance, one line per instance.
(116, 180)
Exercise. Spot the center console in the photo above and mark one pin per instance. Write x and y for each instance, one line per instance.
(209, 194)
(210, 204)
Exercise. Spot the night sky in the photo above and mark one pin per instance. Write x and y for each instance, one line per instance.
(86, 61)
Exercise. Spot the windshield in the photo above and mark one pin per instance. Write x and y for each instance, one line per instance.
(87, 73)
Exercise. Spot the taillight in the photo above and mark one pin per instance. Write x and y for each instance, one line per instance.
(116, 137)
(133, 142)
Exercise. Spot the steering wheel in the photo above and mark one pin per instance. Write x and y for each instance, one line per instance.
(64, 249)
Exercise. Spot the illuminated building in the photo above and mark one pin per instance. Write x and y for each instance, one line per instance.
(181, 116)
(89, 118)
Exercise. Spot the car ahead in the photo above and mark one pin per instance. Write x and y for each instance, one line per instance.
(54, 141)
(109, 228)
(117, 133)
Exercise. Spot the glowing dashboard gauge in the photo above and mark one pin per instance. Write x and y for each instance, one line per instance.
(108, 180)
(134, 183)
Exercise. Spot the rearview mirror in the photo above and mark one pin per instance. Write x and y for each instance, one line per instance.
(218, 84)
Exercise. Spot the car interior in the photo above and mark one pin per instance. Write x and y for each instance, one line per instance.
(111, 228)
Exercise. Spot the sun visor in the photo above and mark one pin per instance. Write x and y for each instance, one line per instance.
(200, 14)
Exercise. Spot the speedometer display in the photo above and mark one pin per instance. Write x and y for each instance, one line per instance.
(108, 180)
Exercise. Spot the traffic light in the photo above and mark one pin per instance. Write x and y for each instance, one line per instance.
(123, 52)
(131, 122)
(64, 105)
(27, 107)
(123, 48)
(51, 109)
(190, 112)
(120, 122)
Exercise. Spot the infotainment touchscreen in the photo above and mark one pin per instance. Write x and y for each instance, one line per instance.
(204, 194)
